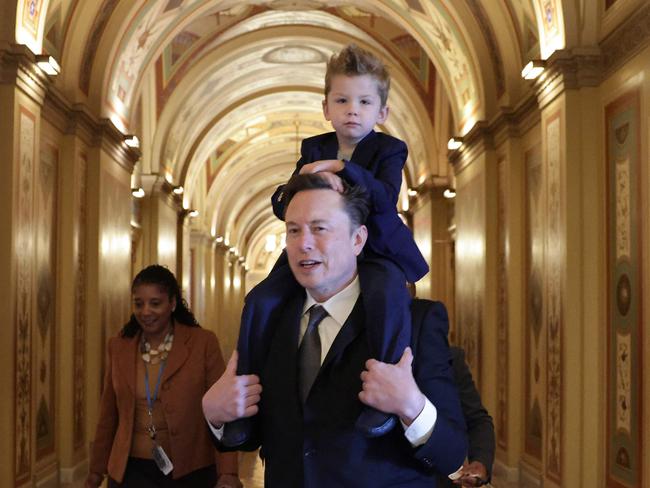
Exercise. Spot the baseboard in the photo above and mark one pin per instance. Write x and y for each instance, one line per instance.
(504, 476)
(529, 478)
(74, 474)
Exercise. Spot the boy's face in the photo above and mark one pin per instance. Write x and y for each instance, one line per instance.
(353, 106)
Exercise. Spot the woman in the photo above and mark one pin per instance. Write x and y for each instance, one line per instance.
(151, 430)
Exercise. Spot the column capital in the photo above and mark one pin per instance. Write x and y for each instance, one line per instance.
(569, 69)
(79, 121)
(18, 67)
(156, 186)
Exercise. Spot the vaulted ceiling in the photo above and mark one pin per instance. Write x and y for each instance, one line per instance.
(220, 92)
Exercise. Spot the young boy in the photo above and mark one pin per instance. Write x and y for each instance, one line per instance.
(356, 91)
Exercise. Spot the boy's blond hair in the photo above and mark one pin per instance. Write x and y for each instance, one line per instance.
(354, 61)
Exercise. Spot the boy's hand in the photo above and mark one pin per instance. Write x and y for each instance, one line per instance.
(334, 181)
(331, 165)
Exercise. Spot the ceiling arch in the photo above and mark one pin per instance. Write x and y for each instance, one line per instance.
(228, 88)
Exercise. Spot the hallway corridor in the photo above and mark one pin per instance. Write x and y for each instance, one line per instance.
(155, 131)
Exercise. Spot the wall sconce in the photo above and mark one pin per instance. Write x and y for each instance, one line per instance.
(219, 240)
(449, 193)
(132, 141)
(193, 213)
(138, 192)
(412, 193)
(48, 64)
(533, 69)
(178, 190)
(454, 143)
(271, 244)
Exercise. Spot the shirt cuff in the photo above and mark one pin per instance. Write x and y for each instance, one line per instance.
(420, 430)
(216, 431)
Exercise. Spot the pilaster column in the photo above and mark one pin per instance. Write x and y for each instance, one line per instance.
(571, 145)
(160, 210)
(22, 257)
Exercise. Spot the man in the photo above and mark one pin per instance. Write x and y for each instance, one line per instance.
(477, 470)
(306, 423)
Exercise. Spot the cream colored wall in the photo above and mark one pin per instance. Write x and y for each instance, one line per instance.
(431, 221)
(109, 256)
(167, 220)
(422, 233)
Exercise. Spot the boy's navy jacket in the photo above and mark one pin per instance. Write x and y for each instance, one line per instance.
(376, 165)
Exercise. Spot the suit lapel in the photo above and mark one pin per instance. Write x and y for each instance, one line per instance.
(280, 373)
(350, 330)
(179, 353)
(364, 152)
(125, 356)
(330, 147)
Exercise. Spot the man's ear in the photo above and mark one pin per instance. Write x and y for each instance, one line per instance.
(359, 238)
(383, 114)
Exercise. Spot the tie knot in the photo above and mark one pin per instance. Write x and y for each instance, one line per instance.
(316, 314)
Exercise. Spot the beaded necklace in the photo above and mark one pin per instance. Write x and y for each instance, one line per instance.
(154, 356)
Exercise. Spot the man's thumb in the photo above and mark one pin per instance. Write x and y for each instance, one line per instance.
(231, 367)
(407, 358)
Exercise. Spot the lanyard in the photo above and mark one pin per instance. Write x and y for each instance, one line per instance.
(150, 401)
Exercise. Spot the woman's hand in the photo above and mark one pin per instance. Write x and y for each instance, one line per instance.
(228, 481)
(93, 480)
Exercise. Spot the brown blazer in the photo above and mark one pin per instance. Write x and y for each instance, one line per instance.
(194, 364)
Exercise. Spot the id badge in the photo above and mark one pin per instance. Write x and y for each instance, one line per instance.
(162, 460)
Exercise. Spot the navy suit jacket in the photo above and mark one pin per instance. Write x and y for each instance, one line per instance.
(376, 165)
(316, 445)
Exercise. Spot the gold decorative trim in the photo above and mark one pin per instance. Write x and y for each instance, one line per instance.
(627, 40)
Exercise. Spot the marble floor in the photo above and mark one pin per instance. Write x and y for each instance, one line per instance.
(251, 470)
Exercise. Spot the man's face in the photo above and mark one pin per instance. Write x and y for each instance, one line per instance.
(353, 106)
(321, 247)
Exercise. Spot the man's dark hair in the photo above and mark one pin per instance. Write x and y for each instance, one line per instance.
(355, 199)
(165, 279)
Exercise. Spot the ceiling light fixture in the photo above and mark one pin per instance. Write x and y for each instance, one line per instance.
(48, 64)
(533, 69)
(138, 192)
(454, 143)
(132, 141)
(178, 190)
(449, 193)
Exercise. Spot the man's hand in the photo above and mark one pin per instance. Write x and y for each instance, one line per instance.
(232, 397)
(391, 388)
(472, 474)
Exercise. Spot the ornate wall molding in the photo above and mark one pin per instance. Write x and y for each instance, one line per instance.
(627, 40)
(569, 70)
(18, 67)
(508, 123)
(78, 120)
